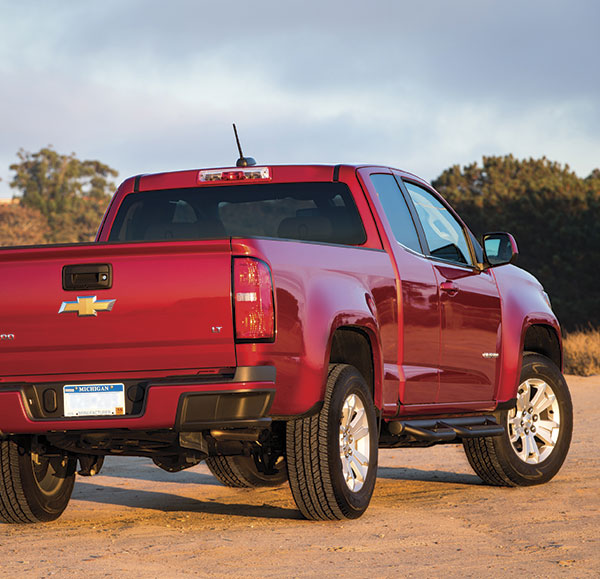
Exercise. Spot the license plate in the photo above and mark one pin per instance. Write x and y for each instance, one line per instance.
(94, 399)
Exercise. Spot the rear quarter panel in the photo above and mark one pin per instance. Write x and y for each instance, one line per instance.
(318, 289)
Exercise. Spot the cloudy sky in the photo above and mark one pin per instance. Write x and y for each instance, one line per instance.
(147, 86)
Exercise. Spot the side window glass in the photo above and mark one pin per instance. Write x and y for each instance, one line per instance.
(396, 210)
(445, 236)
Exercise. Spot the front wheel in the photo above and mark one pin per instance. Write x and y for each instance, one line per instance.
(33, 488)
(332, 456)
(537, 431)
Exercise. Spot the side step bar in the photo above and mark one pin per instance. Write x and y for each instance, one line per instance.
(446, 429)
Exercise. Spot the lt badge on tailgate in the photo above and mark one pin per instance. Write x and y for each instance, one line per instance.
(87, 306)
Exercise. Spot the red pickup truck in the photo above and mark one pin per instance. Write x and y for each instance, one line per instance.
(281, 323)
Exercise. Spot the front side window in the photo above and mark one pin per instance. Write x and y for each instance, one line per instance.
(445, 236)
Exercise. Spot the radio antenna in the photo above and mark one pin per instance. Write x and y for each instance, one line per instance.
(242, 161)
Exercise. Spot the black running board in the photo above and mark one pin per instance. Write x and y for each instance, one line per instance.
(436, 430)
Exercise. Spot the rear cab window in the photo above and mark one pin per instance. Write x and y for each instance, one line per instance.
(317, 212)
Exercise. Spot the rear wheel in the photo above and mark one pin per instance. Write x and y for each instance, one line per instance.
(332, 456)
(33, 488)
(242, 472)
(538, 430)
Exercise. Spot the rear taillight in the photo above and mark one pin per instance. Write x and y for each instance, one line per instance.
(253, 300)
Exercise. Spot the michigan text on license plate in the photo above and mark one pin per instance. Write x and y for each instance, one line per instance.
(94, 399)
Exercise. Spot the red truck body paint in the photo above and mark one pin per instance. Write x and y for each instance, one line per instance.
(428, 321)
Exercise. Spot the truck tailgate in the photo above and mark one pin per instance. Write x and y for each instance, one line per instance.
(172, 309)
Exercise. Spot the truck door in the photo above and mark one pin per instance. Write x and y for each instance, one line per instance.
(469, 300)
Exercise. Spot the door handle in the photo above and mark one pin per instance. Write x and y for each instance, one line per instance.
(449, 287)
(88, 276)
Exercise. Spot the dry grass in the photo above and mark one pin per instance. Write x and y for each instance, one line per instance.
(582, 353)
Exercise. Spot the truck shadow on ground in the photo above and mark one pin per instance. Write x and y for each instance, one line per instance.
(168, 502)
(147, 471)
(155, 474)
(165, 502)
(150, 472)
(437, 476)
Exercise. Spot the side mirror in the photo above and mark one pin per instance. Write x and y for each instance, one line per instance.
(499, 248)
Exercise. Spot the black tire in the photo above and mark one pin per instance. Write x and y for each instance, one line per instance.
(33, 491)
(500, 462)
(314, 450)
(241, 472)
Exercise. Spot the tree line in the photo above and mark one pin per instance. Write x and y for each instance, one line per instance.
(554, 216)
(553, 213)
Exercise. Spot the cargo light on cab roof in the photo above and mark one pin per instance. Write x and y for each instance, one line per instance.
(237, 174)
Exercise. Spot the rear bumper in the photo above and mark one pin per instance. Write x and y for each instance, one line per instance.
(240, 402)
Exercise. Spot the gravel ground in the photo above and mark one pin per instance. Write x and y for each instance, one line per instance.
(430, 517)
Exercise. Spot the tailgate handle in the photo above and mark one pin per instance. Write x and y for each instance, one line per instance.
(88, 276)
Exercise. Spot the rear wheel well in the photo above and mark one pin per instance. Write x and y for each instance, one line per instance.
(352, 346)
(543, 340)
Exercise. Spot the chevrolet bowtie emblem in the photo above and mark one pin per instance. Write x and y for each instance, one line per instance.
(87, 306)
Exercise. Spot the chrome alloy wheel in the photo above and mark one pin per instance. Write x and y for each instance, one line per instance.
(534, 425)
(354, 442)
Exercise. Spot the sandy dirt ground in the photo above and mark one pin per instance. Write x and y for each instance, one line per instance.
(430, 517)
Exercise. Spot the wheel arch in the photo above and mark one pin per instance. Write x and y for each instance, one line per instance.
(353, 345)
(543, 339)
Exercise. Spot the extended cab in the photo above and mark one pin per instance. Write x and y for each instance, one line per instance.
(281, 323)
